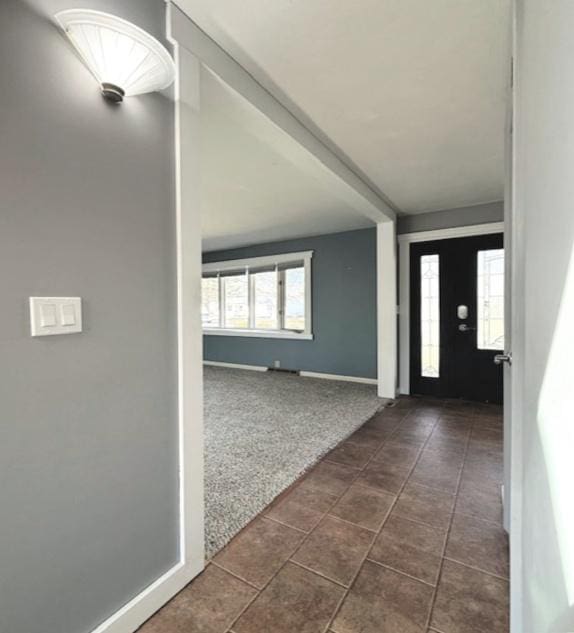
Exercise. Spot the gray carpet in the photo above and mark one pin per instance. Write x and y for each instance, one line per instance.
(262, 430)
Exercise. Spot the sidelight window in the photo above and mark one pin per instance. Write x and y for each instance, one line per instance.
(430, 317)
(490, 299)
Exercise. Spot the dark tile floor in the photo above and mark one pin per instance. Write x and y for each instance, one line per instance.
(397, 530)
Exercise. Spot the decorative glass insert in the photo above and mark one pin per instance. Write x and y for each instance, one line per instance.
(294, 316)
(210, 302)
(430, 316)
(236, 301)
(490, 299)
(265, 300)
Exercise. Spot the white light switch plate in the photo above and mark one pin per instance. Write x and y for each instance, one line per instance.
(55, 315)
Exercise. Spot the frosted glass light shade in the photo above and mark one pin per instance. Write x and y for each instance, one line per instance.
(122, 57)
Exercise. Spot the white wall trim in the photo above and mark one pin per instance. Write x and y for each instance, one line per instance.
(136, 611)
(457, 231)
(215, 363)
(255, 262)
(286, 334)
(304, 374)
(190, 389)
(360, 379)
(405, 241)
(387, 309)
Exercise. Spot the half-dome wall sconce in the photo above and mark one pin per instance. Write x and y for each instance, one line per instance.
(124, 59)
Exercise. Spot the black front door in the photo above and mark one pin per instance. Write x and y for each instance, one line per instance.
(457, 317)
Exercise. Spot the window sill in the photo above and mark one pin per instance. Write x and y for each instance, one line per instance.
(285, 334)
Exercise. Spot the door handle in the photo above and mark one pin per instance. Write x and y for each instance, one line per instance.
(503, 358)
(463, 327)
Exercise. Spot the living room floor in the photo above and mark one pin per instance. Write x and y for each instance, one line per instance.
(398, 529)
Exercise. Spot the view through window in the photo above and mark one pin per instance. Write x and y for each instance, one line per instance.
(260, 297)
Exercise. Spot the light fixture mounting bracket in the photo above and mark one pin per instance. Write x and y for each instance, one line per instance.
(112, 93)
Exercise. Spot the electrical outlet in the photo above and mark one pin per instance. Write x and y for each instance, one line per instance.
(277, 363)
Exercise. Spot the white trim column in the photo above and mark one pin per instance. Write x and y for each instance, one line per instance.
(386, 309)
(190, 335)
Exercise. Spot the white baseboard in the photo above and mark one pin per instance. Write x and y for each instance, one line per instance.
(315, 374)
(132, 615)
(305, 374)
(213, 363)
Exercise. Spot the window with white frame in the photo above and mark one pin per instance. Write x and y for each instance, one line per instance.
(261, 296)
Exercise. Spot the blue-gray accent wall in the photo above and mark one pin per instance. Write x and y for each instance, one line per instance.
(344, 296)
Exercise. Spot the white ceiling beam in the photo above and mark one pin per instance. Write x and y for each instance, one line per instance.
(358, 194)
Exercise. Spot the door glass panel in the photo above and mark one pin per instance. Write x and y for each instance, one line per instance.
(210, 302)
(235, 292)
(265, 300)
(430, 316)
(294, 299)
(490, 299)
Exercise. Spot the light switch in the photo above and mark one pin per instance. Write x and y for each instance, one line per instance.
(55, 315)
(68, 311)
(48, 315)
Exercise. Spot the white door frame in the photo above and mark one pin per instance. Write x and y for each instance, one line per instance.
(405, 242)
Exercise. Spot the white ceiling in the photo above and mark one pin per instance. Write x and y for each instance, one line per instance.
(258, 185)
(411, 92)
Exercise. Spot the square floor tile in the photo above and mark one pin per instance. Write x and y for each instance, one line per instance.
(438, 469)
(415, 428)
(409, 547)
(257, 552)
(350, 454)
(364, 506)
(449, 428)
(295, 601)
(384, 601)
(368, 437)
(302, 508)
(397, 455)
(385, 426)
(426, 505)
(483, 503)
(330, 478)
(209, 604)
(335, 549)
(478, 543)
(484, 467)
(382, 477)
(470, 601)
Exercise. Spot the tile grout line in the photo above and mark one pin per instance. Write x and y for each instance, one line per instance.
(338, 498)
(360, 567)
(376, 533)
(428, 622)
(398, 571)
(482, 571)
(291, 527)
(318, 573)
(232, 573)
(303, 540)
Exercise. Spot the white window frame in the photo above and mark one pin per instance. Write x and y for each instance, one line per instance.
(258, 262)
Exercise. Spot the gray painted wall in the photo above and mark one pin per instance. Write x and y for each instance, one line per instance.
(88, 426)
(344, 309)
(463, 216)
